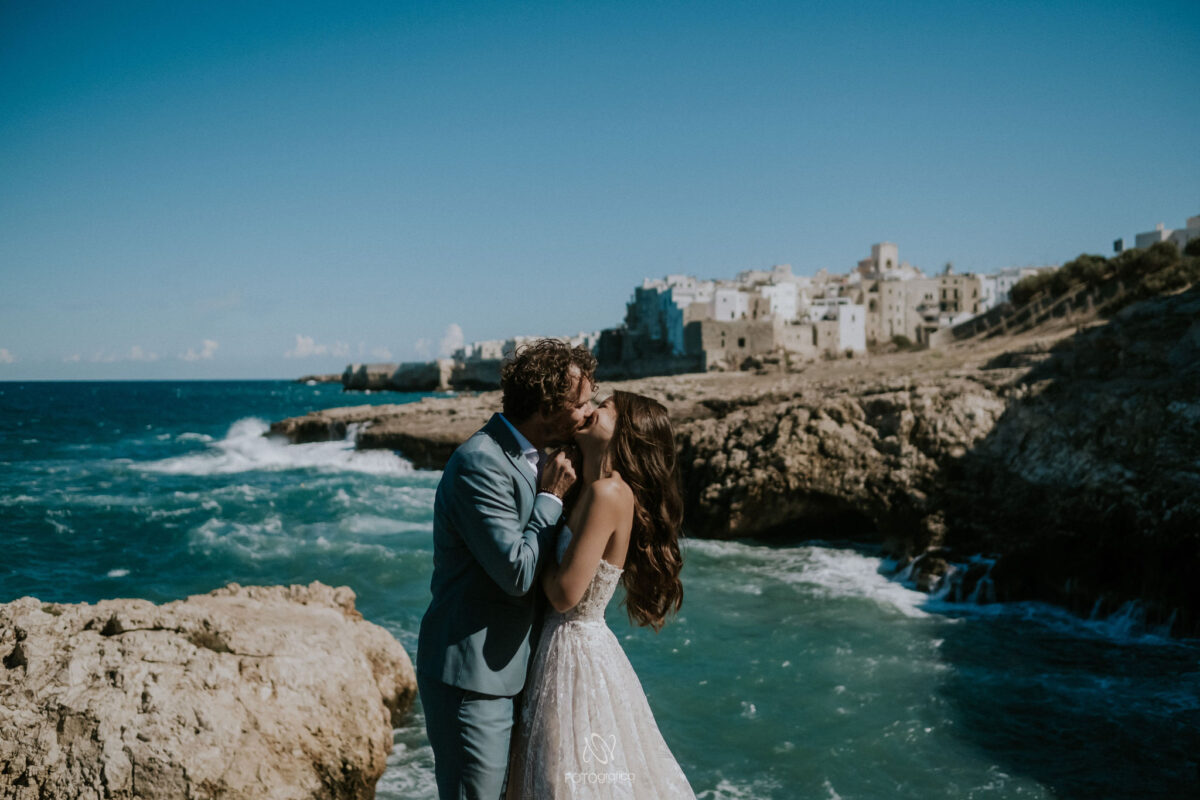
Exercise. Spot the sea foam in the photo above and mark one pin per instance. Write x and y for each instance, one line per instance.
(826, 571)
(245, 448)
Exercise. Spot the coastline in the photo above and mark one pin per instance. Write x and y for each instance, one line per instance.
(994, 447)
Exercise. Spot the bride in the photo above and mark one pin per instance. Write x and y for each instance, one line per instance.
(586, 730)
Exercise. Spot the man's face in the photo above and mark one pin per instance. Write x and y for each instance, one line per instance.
(563, 424)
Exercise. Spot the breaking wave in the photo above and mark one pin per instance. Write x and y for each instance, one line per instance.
(824, 570)
(246, 447)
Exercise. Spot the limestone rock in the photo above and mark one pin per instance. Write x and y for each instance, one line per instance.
(828, 464)
(367, 377)
(328, 425)
(246, 692)
(1068, 456)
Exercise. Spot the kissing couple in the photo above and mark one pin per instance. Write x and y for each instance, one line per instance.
(521, 700)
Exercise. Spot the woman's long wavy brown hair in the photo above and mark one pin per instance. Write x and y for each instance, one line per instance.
(643, 452)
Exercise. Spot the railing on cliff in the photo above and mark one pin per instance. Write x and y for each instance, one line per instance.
(1041, 308)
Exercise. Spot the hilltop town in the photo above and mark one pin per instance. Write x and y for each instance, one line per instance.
(761, 318)
(1060, 442)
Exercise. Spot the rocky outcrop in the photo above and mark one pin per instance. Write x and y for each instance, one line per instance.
(1088, 484)
(1068, 456)
(367, 377)
(425, 432)
(439, 375)
(1073, 466)
(247, 692)
(331, 424)
(831, 463)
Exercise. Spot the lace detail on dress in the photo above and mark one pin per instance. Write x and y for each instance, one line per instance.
(590, 607)
(586, 729)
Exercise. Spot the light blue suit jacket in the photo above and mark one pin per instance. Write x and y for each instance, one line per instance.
(491, 534)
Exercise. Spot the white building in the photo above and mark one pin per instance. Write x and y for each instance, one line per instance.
(1180, 236)
(852, 327)
(823, 308)
(1007, 278)
(782, 299)
(496, 349)
(730, 302)
(987, 293)
(661, 309)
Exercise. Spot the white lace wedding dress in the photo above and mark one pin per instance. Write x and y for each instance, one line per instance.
(586, 730)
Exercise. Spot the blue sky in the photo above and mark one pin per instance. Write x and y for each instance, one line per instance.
(271, 189)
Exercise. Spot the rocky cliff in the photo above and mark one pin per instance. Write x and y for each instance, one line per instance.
(1075, 464)
(1071, 454)
(247, 692)
(1088, 484)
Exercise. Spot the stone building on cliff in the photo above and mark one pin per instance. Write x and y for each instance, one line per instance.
(681, 324)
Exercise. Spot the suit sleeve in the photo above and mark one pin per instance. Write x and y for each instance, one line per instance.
(485, 513)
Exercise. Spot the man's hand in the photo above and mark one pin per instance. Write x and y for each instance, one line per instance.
(558, 475)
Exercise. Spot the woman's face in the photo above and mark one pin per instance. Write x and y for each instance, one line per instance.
(600, 425)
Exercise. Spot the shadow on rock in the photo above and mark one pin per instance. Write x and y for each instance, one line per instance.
(1088, 485)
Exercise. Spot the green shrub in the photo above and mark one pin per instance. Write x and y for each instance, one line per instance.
(1155, 258)
(1155, 270)
(1027, 288)
(1087, 269)
(1178, 275)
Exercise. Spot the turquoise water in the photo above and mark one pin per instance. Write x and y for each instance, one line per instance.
(795, 670)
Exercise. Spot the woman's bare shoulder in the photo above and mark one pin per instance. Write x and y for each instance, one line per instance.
(612, 491)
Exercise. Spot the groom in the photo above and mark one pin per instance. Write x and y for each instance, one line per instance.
(495, 518)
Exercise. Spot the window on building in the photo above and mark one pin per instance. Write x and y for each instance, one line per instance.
(741, 341)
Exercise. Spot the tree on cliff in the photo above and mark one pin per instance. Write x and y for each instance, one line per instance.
(1156, 270)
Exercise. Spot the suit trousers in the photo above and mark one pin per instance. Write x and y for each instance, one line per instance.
(470, 734)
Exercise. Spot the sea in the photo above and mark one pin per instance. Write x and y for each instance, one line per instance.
(805, 668)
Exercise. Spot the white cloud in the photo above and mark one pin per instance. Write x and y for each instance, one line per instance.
(74, 358)
(205, 354)
(382, 353)
(136, 353)
(7, 357)
(102, 358)
(452, 339)
(422, 347)
(306, 347)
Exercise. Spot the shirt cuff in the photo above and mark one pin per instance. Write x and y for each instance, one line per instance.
(554, 497)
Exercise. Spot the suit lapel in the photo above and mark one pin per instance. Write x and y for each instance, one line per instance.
(508, 443)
